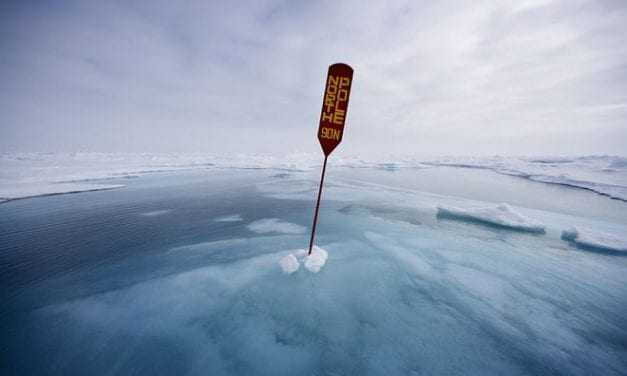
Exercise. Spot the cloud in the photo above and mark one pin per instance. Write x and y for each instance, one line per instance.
(525, 77)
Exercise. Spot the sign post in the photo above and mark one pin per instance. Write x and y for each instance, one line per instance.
(332, 117)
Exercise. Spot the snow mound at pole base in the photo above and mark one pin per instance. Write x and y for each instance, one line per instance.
(289, 264)
(314, 262)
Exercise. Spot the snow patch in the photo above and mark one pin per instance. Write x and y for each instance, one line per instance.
(155, 213)
(588, 238)
(501, 215)
(25, 175)
(275, 225)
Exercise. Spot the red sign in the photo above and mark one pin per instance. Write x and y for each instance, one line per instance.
(332, 118)
(334, 106)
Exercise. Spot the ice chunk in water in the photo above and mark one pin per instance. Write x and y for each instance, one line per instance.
(588, 238)
(501, 215)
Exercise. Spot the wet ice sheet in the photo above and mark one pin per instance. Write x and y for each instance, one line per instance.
(389, 301)
(395, 296)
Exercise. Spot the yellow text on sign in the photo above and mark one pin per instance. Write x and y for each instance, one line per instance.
(330, 133)
(337, 92)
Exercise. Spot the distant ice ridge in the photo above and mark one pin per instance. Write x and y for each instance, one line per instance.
(14, 191)
(587, 238)
(314, 262)
(605, 175)
(275, 225)
(34, 174)
(501, 215)
(25, 175)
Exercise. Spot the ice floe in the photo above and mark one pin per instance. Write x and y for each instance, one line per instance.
(501, 215)
(588, 238)
(275, 225)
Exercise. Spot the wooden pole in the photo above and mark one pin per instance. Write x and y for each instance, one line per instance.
(315, 218)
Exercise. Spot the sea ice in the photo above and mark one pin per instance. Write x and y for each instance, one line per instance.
(605, 175)
(588, 238)
(275, 225)
(35, 174)
(501, 215)
(400, 299)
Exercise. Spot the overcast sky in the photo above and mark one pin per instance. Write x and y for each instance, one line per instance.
(431, 78)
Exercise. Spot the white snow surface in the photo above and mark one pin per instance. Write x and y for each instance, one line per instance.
(589, 238)
(275, 225)
(500, 215)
